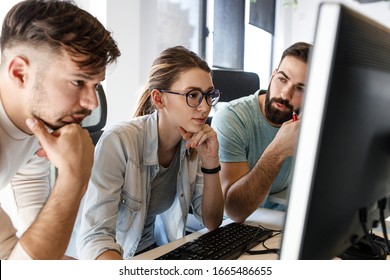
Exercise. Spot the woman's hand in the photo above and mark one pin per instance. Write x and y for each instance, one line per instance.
(206, 143)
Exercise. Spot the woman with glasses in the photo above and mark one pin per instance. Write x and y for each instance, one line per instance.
(148, 171)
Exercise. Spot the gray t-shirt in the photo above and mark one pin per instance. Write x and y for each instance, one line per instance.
(243, 134)
(163, 193)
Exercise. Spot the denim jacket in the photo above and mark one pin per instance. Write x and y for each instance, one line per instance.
(116, 202)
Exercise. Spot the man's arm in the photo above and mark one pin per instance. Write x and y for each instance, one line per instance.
(243, 189)
(26, 194)
(70, 149)
(9, 246)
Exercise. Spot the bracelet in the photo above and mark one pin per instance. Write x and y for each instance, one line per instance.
(211, 171)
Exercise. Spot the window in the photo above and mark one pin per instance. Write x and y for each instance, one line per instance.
(181, 22)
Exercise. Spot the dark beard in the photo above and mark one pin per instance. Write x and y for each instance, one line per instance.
(276, 116)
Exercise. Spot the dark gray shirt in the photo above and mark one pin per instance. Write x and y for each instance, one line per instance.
(163, 192)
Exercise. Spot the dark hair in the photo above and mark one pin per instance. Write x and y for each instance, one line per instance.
(165, 72)
(299, 50)
(59, 25)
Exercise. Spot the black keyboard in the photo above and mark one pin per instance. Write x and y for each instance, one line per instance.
(224, 243)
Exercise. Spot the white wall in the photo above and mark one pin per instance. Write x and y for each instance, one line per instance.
(123, 81)
(298, 24)
(5, 6)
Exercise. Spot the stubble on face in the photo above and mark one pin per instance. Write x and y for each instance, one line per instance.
(41, 106)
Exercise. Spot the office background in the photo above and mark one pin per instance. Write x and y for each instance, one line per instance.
(143, 28)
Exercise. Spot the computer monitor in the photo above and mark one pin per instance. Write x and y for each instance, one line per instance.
(342, 163)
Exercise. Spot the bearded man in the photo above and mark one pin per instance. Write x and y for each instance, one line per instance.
(258, 136)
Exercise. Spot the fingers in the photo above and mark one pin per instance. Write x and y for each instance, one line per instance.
(39, 130)
(184, 133)
(41, 153)
(187, 136)
(287, 137)
(196, 139)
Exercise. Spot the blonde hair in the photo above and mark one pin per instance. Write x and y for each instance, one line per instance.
(165, 72)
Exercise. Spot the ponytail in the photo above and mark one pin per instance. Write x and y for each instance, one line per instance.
(145, 105)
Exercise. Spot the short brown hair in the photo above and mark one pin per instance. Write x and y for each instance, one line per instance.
(59, 25)
(299, 50)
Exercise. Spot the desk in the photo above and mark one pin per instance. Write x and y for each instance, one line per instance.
(268, 218)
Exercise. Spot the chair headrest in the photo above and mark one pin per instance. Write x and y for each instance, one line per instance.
(97, 120)
(235, 83)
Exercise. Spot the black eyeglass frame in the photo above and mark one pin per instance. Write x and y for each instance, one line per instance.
(208, 93)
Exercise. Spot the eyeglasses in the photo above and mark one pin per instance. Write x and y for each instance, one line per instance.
(194, 97)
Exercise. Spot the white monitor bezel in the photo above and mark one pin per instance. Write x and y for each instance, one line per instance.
(321, 63)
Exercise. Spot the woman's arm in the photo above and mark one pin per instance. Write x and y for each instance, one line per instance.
(97, 232)
(206, 144)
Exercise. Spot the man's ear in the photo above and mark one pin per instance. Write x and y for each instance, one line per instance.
(17, 70)
(157, 98)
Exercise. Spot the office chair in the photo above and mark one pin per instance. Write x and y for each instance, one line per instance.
(97, 120)
(235, 83)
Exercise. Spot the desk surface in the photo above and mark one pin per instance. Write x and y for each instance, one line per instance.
(268, 218)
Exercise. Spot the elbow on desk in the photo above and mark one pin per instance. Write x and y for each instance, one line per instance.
(213, 223)
(236, 212)
(236, 217)
(213, 226)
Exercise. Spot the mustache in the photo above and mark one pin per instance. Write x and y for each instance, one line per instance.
(85, 112)
(283, 102)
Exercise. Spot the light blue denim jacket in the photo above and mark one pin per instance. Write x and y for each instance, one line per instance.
(116, 202)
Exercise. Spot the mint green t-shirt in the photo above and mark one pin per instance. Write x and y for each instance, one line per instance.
(244, 134)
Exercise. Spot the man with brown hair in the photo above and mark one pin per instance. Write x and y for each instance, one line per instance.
(53, 55)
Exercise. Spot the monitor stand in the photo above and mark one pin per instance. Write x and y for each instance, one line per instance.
(366, 250)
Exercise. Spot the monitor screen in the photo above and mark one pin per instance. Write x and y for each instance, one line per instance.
(342, 163)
